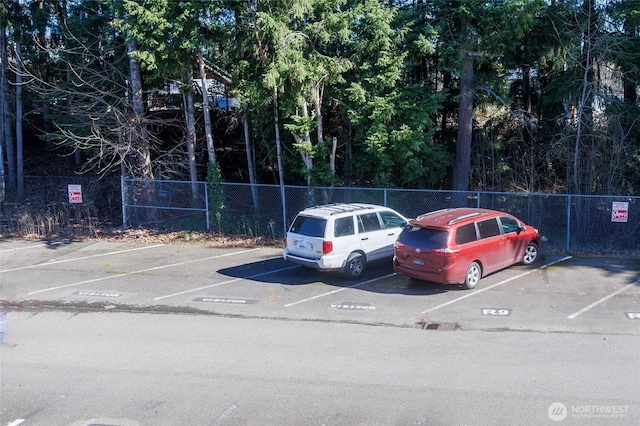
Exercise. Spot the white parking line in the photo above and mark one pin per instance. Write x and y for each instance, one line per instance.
(604, 299)
(339, 290)
(55, 262)
(222, 417)
(140, 271)
(450, 302)
(223, 283)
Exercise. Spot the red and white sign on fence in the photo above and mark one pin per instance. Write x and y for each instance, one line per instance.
(619, 211)
(75, 194)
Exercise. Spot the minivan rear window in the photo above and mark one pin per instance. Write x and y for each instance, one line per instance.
(311, 226)
(423, 237)
(488, 228)
(466, 234)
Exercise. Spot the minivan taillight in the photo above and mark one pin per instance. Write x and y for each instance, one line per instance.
(327, 247)
(445, 252)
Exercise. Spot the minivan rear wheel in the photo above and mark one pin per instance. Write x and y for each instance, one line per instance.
(474, 272)
(354, 267)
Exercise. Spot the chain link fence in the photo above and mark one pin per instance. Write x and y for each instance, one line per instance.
(163, 204)
(570, 223)
(45, 207)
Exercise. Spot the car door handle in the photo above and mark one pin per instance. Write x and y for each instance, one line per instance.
(364, 239)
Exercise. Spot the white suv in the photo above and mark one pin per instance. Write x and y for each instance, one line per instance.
(343, 237)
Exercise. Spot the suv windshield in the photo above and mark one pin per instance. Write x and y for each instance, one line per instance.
(311, 226)
(423, 237)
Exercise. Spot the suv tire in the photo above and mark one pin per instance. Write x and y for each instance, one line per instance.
(354, 267)
(473, 275)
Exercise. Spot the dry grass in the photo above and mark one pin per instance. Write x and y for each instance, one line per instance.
(188, 237)
(79, 223)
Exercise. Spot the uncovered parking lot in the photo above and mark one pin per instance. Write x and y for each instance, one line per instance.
(557, 293)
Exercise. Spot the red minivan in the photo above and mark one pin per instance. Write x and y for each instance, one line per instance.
(461, 245)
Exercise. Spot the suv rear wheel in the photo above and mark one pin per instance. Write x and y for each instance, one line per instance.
(474, 272)
(354, 267)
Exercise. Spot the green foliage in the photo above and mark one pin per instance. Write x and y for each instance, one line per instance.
(398, 145)
(215, 189)
(145, 21)
(385, 77)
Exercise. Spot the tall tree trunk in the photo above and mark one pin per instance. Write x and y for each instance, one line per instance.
(205, 111)
(584, 130)
(276, 121)
(70, 110)
(305, 141)
(250, 167)
(19, 117)
(187, 81)
(348, 156)
(526, 88)
(7, 122)
(527, 128)
(462, 166)
(138, 139)
(62, 16)
(304, 146)
(444, 121)
(317, 104)
(4, 106)
(332, 157)
(140, 142)
(332, 167)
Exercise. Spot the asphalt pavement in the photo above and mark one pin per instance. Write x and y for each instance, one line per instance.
(566, 318)
(558, 293)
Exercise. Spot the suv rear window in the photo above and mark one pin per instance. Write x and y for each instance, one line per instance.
(368, 222)
(343, 227)
(423, 237)
(311, 226)
(391, 220)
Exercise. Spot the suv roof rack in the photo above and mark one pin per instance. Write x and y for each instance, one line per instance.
(337, 208)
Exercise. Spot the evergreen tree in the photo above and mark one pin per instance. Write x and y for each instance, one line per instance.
(474, 35)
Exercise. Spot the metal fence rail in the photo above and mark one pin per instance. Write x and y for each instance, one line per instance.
(571, 223)
(574, 223)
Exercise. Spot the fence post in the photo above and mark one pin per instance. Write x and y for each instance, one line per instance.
(206, 204)
(124, 202)
(568, 221)
(283, 197)
(478, 201)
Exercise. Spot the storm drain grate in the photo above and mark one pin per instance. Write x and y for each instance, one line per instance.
(440, 326)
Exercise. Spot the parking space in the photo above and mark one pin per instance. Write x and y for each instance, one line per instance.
(558, 293)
